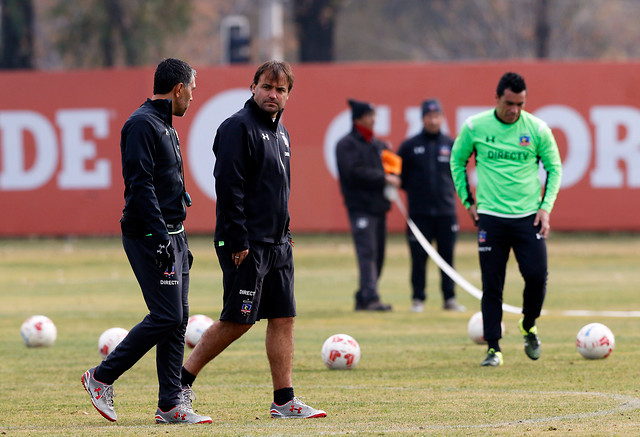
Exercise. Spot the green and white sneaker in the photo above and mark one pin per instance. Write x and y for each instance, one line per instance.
(493, 359)
(531, 341)
(295, 409)
(101, 395)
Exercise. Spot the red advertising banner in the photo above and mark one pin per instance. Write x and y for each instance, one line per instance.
(60, 171)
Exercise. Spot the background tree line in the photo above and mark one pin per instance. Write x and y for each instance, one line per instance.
(65, 34)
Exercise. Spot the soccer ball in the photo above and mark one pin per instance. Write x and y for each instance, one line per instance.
(110, 339)
(341, 351)
(196, 326)
(38, 331)
(476, 329)
(595, 341)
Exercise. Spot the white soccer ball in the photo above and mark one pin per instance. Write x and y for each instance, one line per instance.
(109, 339)
(196, 326)
(476, 329)
(595, 341)
(38, 331)
(341, 351)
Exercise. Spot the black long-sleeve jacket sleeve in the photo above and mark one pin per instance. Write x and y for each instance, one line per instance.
(152, 172)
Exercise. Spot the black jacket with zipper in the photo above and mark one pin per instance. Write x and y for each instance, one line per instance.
(362, 177)
(152, 171)
(426, 175)
(252, 179)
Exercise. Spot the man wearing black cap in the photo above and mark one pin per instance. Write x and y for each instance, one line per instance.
(362, 181)
(426, 177)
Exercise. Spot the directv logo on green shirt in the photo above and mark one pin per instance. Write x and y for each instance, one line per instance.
(514, 156)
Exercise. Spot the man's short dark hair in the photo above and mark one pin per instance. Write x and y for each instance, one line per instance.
(274, 70)
(171, 72)
(512, 81)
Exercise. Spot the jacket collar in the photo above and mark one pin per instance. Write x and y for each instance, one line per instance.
(263, 116)
(163, 108)
(366, 134)
(430, 136)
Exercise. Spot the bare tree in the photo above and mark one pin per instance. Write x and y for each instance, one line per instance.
(543, 29)
(487, 29)
(315, 20)
(17, 34)
(94, 33)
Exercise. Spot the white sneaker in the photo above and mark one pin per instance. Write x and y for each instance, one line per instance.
(417, 306)
(182, 413)
(179, 414)
(295, 409)
(452, 305)
(101, 395)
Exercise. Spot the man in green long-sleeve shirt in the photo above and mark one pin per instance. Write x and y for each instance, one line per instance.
(512, 208)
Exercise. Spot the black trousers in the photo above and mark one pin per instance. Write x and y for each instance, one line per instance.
(166, 296)
(444, 229)
(496, 237)
(369, 237)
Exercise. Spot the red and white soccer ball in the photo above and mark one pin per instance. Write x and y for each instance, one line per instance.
(109, 339)
(341, 352)
(595, 341)
(38, 331)
(476, 330)
(198, 323)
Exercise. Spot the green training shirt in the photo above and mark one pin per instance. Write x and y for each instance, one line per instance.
(507, 163)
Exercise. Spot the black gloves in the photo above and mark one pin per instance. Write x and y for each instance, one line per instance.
(165, 258)
(189, 258)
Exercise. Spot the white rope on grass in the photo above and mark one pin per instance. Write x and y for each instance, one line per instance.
(435, 256)
(475, 292)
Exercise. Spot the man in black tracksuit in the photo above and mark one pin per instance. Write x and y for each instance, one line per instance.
(362, 181)
(426, 177)
(156, 245)
(252, 238)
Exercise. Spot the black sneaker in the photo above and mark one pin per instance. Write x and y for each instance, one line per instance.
(373, 306)
(531, 341)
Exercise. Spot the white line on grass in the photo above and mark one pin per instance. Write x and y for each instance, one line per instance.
(627, 403)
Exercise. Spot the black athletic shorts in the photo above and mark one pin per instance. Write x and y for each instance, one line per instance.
(259, 288)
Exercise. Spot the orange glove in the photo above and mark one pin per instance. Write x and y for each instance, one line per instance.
(391, 162)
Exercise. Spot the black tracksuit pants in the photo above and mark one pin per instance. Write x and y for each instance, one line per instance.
(369, 237)
(444, 230)
(496, 237)
(166, 297)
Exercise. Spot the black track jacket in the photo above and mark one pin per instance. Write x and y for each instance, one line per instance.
(426, 175)
(152, 171)
(252, 179)
(361, 173)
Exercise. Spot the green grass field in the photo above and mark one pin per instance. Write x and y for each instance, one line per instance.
(419, 373)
